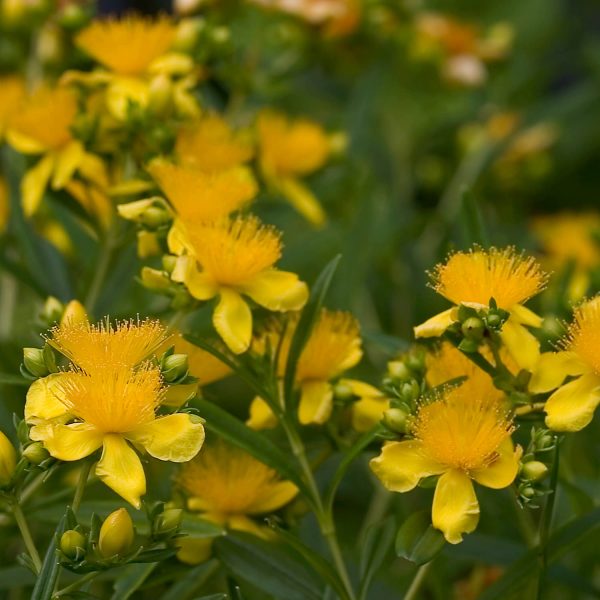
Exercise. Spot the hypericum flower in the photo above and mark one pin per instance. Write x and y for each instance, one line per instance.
(110, 408)
(571, 407)
(290, 150)
(135, 52)
(210, 144)
(475, 277)
(461, 438)
(571, 238)
(203, 196)
(229, 487)
(11, 99)
(232, 258)
(43, 127)
(8, 460)
(334, 346)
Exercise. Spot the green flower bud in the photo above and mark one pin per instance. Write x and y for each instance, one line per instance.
(52, 310)
(174, 367)
(415, 361)
(116, 534)
(155, 216)
(473, 328)
(155, 280)
(398, 370)
(410, 390)
(168, 521)
(187, 34)
(8, 460)
(36, 453)
(72, 544)
(528, 492)
(160, 94)
(396, 419)
(534, 470)
(35, 361)
(545, 441)
(494, 320)
(168, 262)
(342, 391)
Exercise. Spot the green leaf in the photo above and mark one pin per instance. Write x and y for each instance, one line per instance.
(473, 225)
(417, 540)
(200, 528)
(194, 579)
(304, 328)
(15, 577)
(131, 579)
(210, 597)
(234, 431)
(267, 566)
(8, 379)
(44, 586)
(378, 541)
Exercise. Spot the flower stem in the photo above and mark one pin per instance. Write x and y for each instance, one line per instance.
(83, 477)
(76, 585)
(104, 259)
(417, 581)
(26, 535)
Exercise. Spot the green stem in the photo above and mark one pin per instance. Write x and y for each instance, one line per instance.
(26, 535)
(104, 259)
(525, 523)
(324, 517)
(545, 524)
(76, 585)
(417, 581)
(83, 477)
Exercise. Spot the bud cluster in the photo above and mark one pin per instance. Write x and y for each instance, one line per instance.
(533, 471)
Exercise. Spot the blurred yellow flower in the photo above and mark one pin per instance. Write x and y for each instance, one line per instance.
(459, 437)
(229, 486)
(475, 277)
(43, 127)
(571, 407)
(210, 144)
(11, 99)
(113, 407)
(232, 258)
(290, 150)
(334, 346)
(140, 67)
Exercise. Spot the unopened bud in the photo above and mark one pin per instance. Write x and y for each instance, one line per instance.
(528, 492)
(534, 470)
(74, 313)
(396, 419)
(545, 441)
(35, 362)
(116, 534)
(72, 544)
(8, 460)
(473, 328)
(410, 390)
(187, 34)
(155, 216)
(494, 320)
(155, 280)
(398, 370)
(168, 262)
(52, 311)
(168, 521)
(342, 391)
(175, 367)
(415, 361)
(36, 453)
(160, 94)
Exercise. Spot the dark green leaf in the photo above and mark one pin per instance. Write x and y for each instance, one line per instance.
(417, 540)
(195, 578)
(8, 379)
(131, 579)
(44, 587)
(377, 543)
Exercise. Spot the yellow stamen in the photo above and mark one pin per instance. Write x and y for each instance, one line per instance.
(126, 343)
(460, 431)
(478, 275)
(584, 334)
(233, 251)
(113, 400)
(127, 46)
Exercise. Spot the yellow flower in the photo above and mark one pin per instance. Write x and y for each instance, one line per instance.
(4, 204)
(210, 144)
(11, 99)
(290, 150)
(141, 70)
(571, 407)
(43, 127)
(334, 346)
(473, 278)
(571, 237)
(461, 438)
(229, 487)
(203, 196)
(232, 258)
(8, 460)
(370, 407)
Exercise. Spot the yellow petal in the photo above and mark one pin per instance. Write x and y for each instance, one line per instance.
(362, 389)
(67, 161)
(436, 326)
(193, 551)
(33, 184)
(176, 438)
(124, 91)
(69, 442)
(199, 285)
(261, 415)
(522, 345)
(302, 199)
(572, 406)
(523, 315)
(277, 290)
(367, 412)
(177, 238)
(233, 321)
(243, 523)
(502, 471)
(273, 497)
(401, 465)
(177, 395)
(553, 368)
(455, 508)
(172, 63)
(121, 470)
(23, 143)
(43, 399)
(316, 402)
